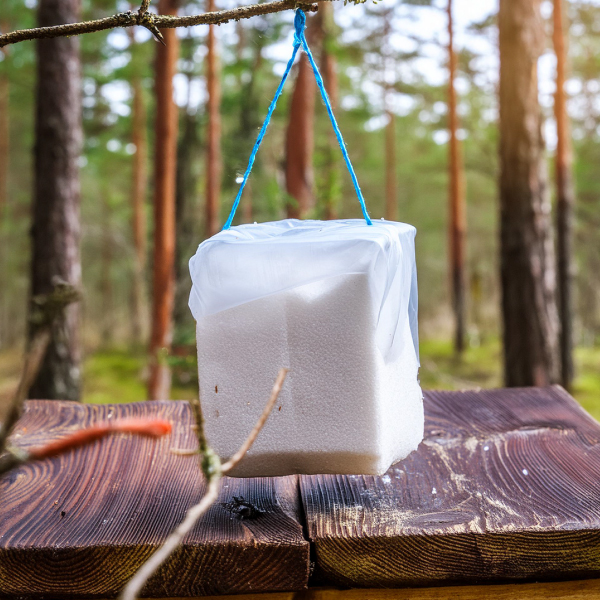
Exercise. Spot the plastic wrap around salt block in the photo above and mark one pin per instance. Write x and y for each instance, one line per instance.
(336, 303)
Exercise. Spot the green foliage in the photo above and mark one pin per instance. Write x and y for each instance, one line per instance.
(371, 66)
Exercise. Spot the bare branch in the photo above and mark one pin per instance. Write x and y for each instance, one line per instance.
(139, 580)
(33, 361)
(211, 467)
(154, 22)
(235, 459)
(46, 308)
(127, 19)
(144, 7)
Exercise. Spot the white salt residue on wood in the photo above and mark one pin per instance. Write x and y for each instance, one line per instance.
(343, 408)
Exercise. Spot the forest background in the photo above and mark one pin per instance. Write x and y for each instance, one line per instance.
(391, 61)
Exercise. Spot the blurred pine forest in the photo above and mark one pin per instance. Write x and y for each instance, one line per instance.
(366, 41)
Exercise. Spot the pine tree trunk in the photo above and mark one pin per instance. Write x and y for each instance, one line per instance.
(139, 186)
(330, 78)
(299, 143)
(56, 203)
(565, 199)
(165, 167)
(526, 248)
(213, 151)
(457, 220)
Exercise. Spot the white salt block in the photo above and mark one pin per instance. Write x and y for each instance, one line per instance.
(336, 303)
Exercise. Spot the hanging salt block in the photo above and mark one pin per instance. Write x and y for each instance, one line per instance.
(336, 303)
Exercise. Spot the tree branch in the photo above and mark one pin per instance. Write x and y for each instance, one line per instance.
(235, 459)
(45, 310)
(212, 470)
(154, 22)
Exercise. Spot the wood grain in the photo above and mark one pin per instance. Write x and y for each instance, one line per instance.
(79, 525)
(505, 486)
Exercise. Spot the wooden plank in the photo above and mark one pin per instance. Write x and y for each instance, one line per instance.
(505, 486)
(588, 589)
(80, 525)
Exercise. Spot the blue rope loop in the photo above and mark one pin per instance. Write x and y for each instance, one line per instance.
(299, 40)
(299, 26)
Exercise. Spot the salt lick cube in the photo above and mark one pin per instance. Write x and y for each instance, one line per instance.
(336, 303)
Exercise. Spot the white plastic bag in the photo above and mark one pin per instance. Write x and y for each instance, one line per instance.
(334, 301)
(249, 262)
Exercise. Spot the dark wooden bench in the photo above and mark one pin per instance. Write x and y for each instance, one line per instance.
(504, 488)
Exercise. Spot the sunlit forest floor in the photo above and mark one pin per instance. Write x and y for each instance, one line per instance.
(117, 375)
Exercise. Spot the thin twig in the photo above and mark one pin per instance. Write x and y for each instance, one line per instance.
(33, 361)
(235, 459)
(153, 22)
(46, 308)
(144, 6)
(139, 580)
(212, 469)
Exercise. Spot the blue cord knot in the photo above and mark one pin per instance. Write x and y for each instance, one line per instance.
(299, 40)
(299, 26)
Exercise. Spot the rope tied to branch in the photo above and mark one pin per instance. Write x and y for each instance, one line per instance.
(299, 40)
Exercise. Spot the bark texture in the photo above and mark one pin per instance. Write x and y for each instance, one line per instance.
(300, 142)
(528, 274)
(457, 213)
(56, 204)
(565, 200)
(213, 148)
(165, 167)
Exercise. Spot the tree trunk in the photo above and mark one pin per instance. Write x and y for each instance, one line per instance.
(139, 186)
(299, 143)
(565, 199)
(457, 221)
(213, 150)
(526, 248)
(56, 204)
(330, 78)
(165, 167)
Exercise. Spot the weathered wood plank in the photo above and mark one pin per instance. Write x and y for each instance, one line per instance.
(505, 486)
(82, 523)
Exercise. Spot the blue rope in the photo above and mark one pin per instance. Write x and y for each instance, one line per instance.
(299, 40)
